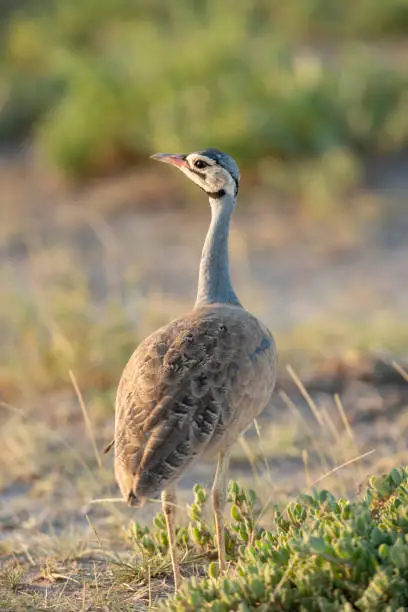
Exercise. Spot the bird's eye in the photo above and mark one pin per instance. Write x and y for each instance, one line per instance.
(199, 163)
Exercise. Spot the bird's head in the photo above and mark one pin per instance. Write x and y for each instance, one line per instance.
(214, 172)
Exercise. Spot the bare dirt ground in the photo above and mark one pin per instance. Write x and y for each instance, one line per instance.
(349, 421)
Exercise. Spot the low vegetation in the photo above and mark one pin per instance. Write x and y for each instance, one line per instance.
(319, 552)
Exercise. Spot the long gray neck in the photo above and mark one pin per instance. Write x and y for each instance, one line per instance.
(214, 283)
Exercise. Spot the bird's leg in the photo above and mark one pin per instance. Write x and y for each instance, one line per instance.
(219, 497)
(169, 500)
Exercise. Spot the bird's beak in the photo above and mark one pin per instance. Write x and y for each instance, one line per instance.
(171, 158)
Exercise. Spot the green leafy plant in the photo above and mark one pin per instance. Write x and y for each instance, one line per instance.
(319, 553)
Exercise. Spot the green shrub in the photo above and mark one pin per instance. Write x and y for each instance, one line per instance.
(319, 553)
(100, 84)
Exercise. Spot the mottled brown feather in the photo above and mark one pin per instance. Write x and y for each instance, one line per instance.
(189, 389)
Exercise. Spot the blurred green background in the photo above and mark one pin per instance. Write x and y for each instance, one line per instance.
(99, 84)
(99, 245)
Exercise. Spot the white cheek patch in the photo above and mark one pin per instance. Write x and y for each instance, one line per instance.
(196, 178)
(211, 179)
(225, 182)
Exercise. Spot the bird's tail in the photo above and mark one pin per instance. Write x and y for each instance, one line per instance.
(134, 500)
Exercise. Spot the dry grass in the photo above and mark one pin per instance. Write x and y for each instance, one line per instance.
(60, 551)
(73, 308)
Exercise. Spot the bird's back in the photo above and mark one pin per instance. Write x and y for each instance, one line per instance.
(189, 389)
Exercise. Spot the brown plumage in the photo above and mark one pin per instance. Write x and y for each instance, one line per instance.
(193, 386)
(189, 390)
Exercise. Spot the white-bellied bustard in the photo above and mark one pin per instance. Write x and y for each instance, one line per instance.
(193, 386)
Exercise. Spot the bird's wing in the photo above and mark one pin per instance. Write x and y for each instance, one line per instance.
(179, 389)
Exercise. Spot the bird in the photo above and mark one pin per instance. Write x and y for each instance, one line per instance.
(194, 386)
